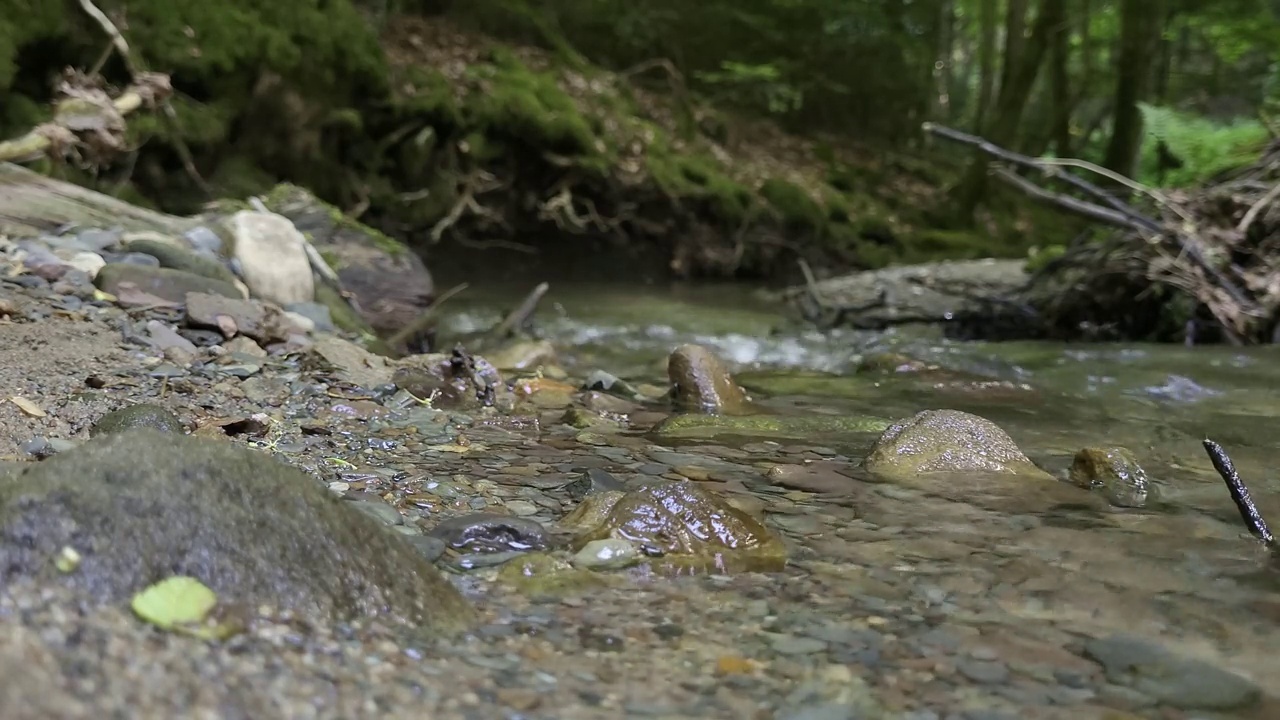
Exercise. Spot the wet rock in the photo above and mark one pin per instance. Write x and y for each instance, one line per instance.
(608, 554)
(540, 574)
(1115, 472)
(491, 532)
(272, 257)
(522, 355)
(1181, 682)
(605, 403)
(797, 427)
(593, 482)
(142, 415)
(171, 254)
(811, 477)
(545, 393)
(584, 419)
(681, 527)
(891, 362)
(142, 504)
(701, 381)
(948, 441)
(164, 283)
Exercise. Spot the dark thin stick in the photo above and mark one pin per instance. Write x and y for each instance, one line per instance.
(424, 320)
(1239, 493)
(518, 317)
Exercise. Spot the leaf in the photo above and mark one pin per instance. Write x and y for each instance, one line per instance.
(174, 602)
(28, 407)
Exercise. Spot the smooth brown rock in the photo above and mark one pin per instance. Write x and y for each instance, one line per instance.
(701, 381)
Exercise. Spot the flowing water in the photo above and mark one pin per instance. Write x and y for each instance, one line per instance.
(1183, 570)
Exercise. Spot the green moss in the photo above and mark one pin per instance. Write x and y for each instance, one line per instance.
(530, 107)
(240, 177)
(692, 175)
(325, 48)
(23, 22)
(794, 205)
(426, 93)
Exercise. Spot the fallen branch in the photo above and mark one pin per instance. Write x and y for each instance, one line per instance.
(1239, 493)
(424, 321)
(86, 117)
(1231, 316)
(518, 317)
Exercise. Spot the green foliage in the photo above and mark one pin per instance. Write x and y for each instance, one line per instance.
(23, 22)
(758, 85)
(795, 206)
(529, 106)
(325, 44)
(699, 177)
(1205, 147)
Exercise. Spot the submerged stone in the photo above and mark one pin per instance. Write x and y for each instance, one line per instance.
(536, 574)
(1115, 472)
(142, 415)
(681, 527)
(948, 441)
(796, 427)
(1173, 680)
(491, 532)
(142, 505)
(700, 381)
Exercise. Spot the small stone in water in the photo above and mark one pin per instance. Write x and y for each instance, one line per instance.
(606, 554)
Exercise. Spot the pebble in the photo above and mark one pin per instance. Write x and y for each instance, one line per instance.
(1183, 683)
(793, 645)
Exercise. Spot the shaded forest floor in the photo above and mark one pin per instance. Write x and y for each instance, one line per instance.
(636, 154)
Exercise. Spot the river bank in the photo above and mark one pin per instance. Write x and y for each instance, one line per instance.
(924, 597)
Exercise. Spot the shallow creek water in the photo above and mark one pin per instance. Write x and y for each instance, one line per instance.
(1182, 572)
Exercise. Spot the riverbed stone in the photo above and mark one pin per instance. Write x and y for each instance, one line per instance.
(682, 526)
(948, 441)
(1113, 471)
(142, 505)
(1161, 674)
(700, 381)
(272, 257)
(132, 417)
(164, 283)
(491, 532)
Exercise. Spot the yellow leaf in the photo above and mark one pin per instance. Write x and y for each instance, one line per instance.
(174, 601)
(28, 407)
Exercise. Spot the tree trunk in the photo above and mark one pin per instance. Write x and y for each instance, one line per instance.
(1009, 105)
(986, 62)
(1062, 104)
(1141, 24)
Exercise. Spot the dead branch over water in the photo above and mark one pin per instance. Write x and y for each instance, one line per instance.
(1218, 245)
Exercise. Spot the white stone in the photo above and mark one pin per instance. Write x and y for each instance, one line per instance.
(272, 257)
(88, 262)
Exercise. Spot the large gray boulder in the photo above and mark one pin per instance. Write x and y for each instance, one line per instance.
(143, 505)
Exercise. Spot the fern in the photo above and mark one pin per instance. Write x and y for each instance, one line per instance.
(1206, 147)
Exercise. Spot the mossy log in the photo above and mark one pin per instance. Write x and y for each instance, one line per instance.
(31, 203)
(936, 293)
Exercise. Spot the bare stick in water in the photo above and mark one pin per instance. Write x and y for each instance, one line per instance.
(1239, 493)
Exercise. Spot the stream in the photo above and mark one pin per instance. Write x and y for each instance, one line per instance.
(1182, 570)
